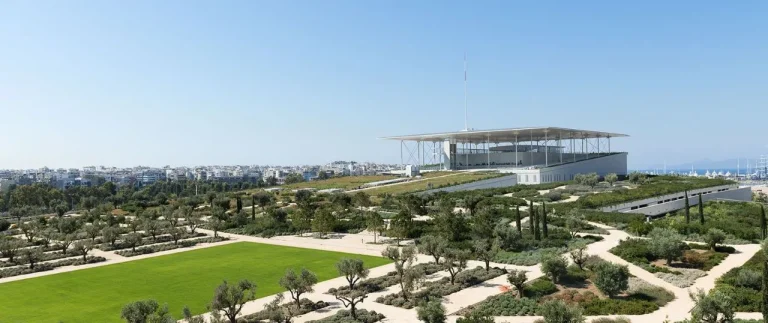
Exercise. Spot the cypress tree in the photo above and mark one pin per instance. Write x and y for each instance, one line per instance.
(701, 210)
(253, 207)
(530, 219)
(687, 209)
(517, 219)
(544, 220)
(763, 224)
(765, 286)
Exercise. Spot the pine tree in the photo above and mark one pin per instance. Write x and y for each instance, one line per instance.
(701, 210)
(517, 219)
(687, 209)
(544, 220)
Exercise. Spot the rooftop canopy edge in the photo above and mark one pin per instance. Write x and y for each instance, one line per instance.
(509, 135)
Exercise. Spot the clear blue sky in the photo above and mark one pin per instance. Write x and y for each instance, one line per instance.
(249, 82)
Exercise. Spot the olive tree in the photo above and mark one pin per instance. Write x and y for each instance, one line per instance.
(351, 299)
(82, 247)
(579, 255)
(133, 240)
(517, 278)
(408, 277)
(298, 284)
(352, 269)
(146, 311)
(485, 250)
(455, 260)
(110, 234)
(611, 279)
(715, 307)
(32, 256)
(713, 237)
(64, 240)
(9, 248)
(230, 298)
(554, 266)
(611, 178)
(433, 246)
(666, 244)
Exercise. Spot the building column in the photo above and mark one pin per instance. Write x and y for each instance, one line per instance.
(516, 150)
(546, 150)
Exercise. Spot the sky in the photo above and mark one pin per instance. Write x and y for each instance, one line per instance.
(126, 83)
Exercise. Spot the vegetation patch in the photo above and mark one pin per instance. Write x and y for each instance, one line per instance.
(443, 287)
(169, 246)
(176, 279)
(344, 316)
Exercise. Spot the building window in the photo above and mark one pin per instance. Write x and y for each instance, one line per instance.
(526, 179)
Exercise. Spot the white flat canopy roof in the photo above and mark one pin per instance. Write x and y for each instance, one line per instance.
(509, 135)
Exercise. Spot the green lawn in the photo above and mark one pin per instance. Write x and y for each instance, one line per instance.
(187, 278)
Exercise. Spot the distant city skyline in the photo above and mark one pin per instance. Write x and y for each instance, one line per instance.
(300, 82)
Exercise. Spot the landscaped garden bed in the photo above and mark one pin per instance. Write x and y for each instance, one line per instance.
(169, 246)
(692, 263)
(10, 272)
(344, 316)
(532, 255)
(575, 287)
(120, 245)
(378, 284)
(745, 284)
(442, 287)
(305, 307)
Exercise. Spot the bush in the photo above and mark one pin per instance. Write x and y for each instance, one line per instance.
(749, 278)
(305, 307)
(636, 251)
(343, 316)
(559, 312)
(610, 320)
(506, 304)
(615, 306)
(4, 225)
(539, 288)
(611, 279)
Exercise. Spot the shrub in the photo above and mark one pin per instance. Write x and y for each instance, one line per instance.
(305, 306)
(560, 312)
(634, 250)
(749, 278)
(614, 306)
(505, 304)
(610, 320)
(539, 287)
(343, 316)
(611, 279)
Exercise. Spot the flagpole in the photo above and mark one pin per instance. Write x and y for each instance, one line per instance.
(466, 127)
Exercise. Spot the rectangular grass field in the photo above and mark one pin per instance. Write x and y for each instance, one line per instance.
(186, 278)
